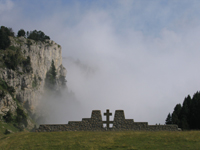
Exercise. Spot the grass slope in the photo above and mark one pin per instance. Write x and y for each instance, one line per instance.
(9, 126)
(101, 140)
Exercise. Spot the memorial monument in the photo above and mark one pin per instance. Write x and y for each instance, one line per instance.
(95, 123)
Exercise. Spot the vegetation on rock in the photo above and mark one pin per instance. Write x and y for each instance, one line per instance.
(2, 94)
(15, 60)
(34, 83)
(12, 58)
(38, 36)
(50, 80)
(4, 37)
(6, 88)
(62, 81)
(21, 33)
(8, 117)
(7, 131)
(21, 118)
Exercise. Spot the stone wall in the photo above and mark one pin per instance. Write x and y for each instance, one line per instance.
(95, 123)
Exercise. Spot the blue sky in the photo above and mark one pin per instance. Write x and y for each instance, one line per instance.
(140, 56)
(149, 17)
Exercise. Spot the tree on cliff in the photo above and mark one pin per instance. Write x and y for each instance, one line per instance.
(50, 80)
(187, 116)
(21, 32)
(4, 39)
(8, 117)
(38, 36)
(21, 117)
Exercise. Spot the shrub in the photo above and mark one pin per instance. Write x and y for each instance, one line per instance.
(34, 83)
(7, 131)
(4, 39)
(6, 87)
(8, 117)
(2, 94)
(63, 81)
(21, 117)
(13, 48)
(21, 32)
(27, 65)
(13, 58)
(29, 43)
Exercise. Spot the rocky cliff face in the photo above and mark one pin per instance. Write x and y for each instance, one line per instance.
(29, 87)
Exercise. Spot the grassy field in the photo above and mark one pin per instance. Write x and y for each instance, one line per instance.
(4, 126)
(101, 140)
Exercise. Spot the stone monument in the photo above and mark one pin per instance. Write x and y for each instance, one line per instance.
(95, 123)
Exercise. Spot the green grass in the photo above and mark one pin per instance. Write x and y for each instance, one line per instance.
(9, 126)
(101, 140)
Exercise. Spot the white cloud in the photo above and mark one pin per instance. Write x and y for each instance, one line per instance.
(132, 69)
(145, 76)
(5, 5)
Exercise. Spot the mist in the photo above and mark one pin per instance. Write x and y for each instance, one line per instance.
(138, 56)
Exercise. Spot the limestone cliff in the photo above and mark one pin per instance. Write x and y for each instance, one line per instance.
(29, 86)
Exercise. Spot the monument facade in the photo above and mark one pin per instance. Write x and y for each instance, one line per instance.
(95, 123)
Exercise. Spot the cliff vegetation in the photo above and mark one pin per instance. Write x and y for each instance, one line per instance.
(30, 63)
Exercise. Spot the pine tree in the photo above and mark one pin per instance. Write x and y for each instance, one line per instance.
(175, 114)
(195, 112)
(168, 119)
(53, 70)
(50, 80)
(187, 116)
(185, 113)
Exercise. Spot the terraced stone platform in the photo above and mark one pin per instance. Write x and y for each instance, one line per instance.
(95, 123)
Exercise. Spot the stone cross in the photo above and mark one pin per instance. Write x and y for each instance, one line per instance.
(107, 114)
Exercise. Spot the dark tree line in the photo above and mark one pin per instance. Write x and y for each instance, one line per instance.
(4, 37)
(187, 115)
(12, 56)
(37, 36)
(34, 35)
(6, 32)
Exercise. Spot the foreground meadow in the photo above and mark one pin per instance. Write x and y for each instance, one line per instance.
(101, 140)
